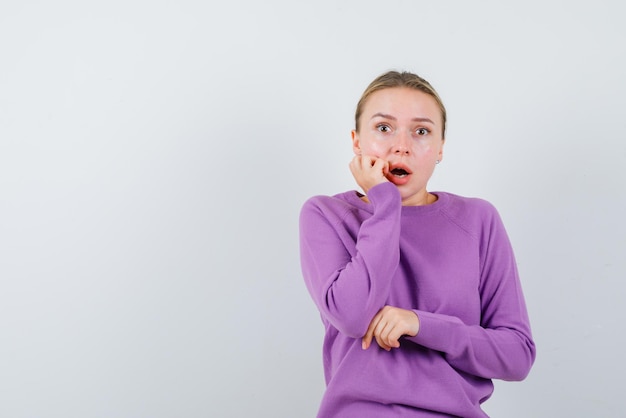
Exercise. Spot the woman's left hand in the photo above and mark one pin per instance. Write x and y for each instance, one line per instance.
(389, 325)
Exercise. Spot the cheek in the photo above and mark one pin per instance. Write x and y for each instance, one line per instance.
(375, 148)
(427, 149)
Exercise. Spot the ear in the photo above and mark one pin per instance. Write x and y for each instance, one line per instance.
(440, 153)
(356, 145)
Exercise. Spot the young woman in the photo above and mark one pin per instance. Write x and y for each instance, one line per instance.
(418, 291)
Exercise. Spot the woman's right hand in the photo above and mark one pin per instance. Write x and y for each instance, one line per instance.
(368, 171)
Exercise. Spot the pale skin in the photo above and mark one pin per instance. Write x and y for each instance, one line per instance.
(399, 141)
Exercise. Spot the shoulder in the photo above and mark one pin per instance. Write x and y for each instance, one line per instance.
(470, 213)
(463, 206)
(326, 201)
(330, 207)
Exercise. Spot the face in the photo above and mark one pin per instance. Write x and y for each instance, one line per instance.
(402, 126)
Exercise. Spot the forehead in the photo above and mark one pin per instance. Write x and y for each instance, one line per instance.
(402, 101)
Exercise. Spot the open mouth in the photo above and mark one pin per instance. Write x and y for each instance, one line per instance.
(399, 172)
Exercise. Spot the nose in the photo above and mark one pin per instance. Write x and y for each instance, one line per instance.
(402, 144)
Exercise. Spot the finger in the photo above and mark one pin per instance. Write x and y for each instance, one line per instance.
(355, 163)
(381, 331)
(407, 323)
(380, 164)
(382, 343)
(367, 161)
(387, 333)
(392, 338)
(366, 341)
(386, 169)
(369, 334)
(386, 330)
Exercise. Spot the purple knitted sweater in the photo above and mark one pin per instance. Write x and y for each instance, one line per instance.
(452, 264)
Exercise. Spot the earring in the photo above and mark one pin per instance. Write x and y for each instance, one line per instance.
(437, 162)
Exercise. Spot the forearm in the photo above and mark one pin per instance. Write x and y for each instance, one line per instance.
(349, 279)
(505, 353)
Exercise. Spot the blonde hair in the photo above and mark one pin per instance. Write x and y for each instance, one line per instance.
(393, 79)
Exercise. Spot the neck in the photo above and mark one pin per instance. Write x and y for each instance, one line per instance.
(424, 199)
(420, 199)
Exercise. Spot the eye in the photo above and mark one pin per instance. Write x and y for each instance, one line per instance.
(383, 128)
(422, 131)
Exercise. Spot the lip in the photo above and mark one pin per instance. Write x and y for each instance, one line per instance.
(397, 180)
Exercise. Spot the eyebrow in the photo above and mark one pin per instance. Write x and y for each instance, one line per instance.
(383, 115)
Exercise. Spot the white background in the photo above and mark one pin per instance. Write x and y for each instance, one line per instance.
(154, 156)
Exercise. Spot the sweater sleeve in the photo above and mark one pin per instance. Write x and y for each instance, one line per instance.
(501, 347)
(349, 282)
